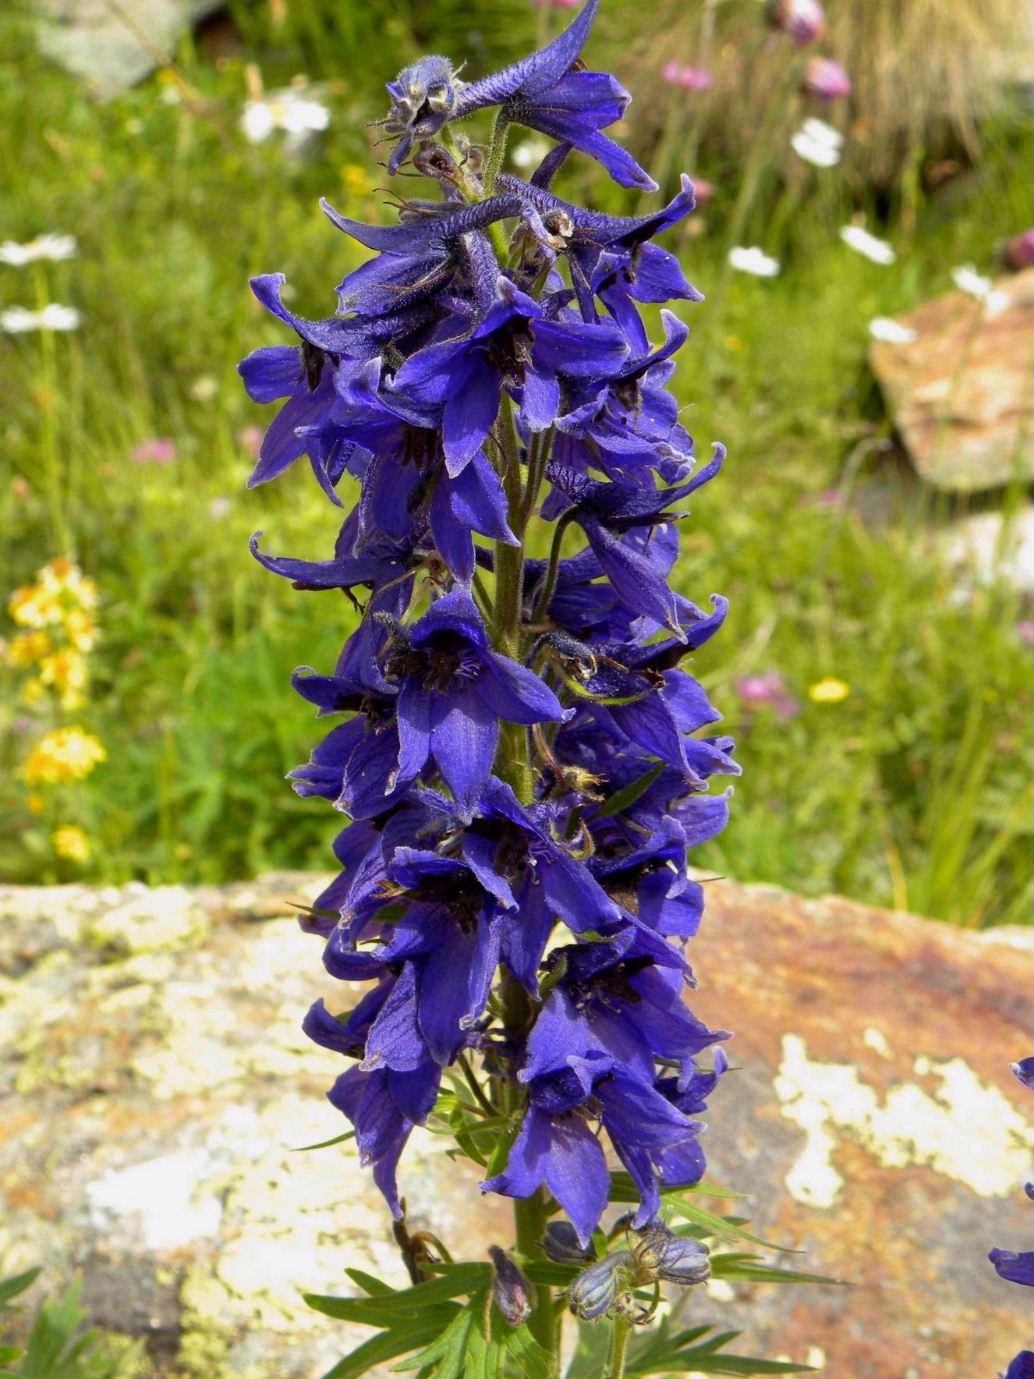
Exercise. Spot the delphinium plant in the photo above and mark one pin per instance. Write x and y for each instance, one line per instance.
(520, 752)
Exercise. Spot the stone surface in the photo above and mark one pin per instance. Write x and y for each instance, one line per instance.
(113, 44)
(986, 547)
(961, 393)
(157, 1086)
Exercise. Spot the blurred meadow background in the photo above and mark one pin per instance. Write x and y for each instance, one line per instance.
(879, 690)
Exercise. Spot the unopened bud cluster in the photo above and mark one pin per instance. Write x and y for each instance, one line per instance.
(656, 1255)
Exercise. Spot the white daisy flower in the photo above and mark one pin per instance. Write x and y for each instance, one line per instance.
(967, 279)
(891, 332)
(753, 260)
(289, 110)
(16, 320)
(818, 143)
(860, 240)
(53, 247)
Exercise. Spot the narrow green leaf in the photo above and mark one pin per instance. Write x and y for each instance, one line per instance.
(532, 1359)
(718, 1225)
(628, 796)
(447, 1354)
(378, 1349)
(552, 1275)
(623, 1189)
(754, 1270)
(324, 1144)
(374, 1287)
(384, 1310)
(15, 1285)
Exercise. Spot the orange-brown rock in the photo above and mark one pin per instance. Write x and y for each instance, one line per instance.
(960, 391)
(875, 1124)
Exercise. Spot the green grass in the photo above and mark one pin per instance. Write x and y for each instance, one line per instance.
(912, 791)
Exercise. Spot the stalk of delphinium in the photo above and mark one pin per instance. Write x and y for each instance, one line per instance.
(519, 755)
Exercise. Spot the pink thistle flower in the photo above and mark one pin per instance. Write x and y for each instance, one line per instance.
(766, 691)
(803, 20)
(826, 79)
(1018, 251)
(689, 78)
(157, 450)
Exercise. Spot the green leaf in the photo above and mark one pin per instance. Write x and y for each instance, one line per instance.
(379, 1349)
(373, 1287)
(675, 1354)
(628, 796)
(553, 1275)
(590, 1354)
(722, 1226)
(755, 1270)
(501, 1152)
(17, 1284)
(324, 1144)
(386, 1309)
(623, 1189)
(459, 1350)
(532, 1359)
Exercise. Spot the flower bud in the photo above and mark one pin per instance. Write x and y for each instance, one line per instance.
(803, 20)
(825, 79)
(514, 1294)
(560, 1244)
(671, 1258)
(597, 1289)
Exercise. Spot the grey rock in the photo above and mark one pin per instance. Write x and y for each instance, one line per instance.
(113, 44)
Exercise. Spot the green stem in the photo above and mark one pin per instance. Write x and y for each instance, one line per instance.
(549, 587)
(619, 1348)
(513, 764)
(494, 161)
(529, 1215)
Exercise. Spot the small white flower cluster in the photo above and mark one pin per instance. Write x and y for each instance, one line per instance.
(291, 110)
(967, 279)
(16, 320)
(754, 261)
(818, 143)
(891, 332)
(53, 247)
(862, 242)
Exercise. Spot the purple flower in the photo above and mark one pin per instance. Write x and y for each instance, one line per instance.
(826, 79)
(522, 755)
(1018, 1266)
(1018, 251)
(453, 690)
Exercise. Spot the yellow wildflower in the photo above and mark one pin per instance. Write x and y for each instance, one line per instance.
(65, 672)
(32, 606)
(64, 754)
(829, 690)
(27, 648)
(71, 843)
(80, 629)
(35, 804)
(357, 184)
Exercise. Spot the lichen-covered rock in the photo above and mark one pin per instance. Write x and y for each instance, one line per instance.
(157, 1089)
(155, 1094)
(960, 391)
